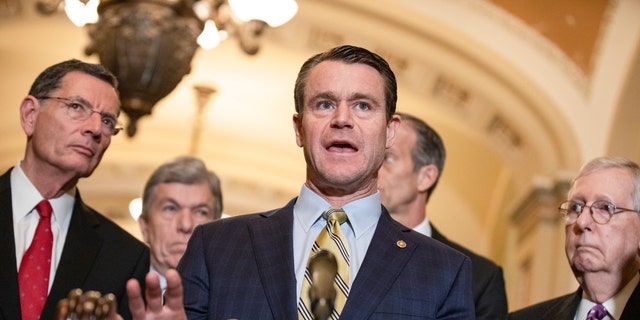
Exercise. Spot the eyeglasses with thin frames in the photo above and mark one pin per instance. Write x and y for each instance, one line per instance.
(77, 109)
(601, 211)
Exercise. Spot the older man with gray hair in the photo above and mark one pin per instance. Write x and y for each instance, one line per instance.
(602, 245)
(179, 195)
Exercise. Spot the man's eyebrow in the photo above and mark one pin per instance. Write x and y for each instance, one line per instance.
(361, 96)
(79, 99)
(330, 95)
(85, 102)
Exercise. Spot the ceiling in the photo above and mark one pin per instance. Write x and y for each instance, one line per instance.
(574, 26)
(522, 92)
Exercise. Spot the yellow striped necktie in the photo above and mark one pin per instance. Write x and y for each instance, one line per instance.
(333, 240)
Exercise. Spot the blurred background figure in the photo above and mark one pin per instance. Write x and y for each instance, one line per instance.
(410, 172)
(179, 195)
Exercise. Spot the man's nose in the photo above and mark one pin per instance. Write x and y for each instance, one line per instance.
(185, 221)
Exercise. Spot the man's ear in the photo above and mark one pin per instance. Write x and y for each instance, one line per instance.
(297, 127)
(392, 128)
(28, 114)
(144, 229)
(427, 176)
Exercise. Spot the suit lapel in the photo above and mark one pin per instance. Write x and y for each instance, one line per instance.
(82, 241)
(9, 297)
(272, 236)
(566, 309)
(632, 308)
(364, 298)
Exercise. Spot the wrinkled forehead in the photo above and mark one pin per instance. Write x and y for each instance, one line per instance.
(614, 183)
(345, 78)
(99, 94)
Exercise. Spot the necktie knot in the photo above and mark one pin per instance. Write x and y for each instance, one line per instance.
(597, 312)
(335, 215)
(44, 209)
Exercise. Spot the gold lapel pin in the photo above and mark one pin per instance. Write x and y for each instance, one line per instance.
(401, 244)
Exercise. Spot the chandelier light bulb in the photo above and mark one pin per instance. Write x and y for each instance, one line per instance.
(202, 9)
(80, 13)
(209, 38)
(135, 208)
(275, 13)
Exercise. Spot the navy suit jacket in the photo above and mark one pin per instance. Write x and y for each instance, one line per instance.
(242, 267)
(489, 295)
(97, 255)
(564, 308)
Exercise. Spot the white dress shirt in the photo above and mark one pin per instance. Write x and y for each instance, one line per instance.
(161, 277)
(24, 198)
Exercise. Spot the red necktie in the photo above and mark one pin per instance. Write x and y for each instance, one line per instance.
(33, 276)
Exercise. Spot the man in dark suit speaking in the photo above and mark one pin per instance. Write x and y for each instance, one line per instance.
(50, 240)
(410, 172)
(253, 266)
(602, 235)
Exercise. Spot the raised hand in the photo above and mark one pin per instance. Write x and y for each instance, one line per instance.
(173, 307)
(91, 305)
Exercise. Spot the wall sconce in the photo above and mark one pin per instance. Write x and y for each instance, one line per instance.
(149, 44)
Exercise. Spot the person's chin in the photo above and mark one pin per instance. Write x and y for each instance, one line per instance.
(178, 249)
(585, 264)
(84, 166)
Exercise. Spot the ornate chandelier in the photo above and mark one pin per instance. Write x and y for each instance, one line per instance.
(149, 44)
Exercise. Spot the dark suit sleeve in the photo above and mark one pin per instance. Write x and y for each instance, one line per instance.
(97, 255)
(139, 273)
(459, 304)
(489, 294)
(492, 303)
(195, 279)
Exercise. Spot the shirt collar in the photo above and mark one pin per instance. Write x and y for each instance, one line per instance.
(363, 213)
(615, 305)
(25, 197)
(424, 227)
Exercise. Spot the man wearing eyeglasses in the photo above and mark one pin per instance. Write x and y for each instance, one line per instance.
(50, 241)
(602, 245)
